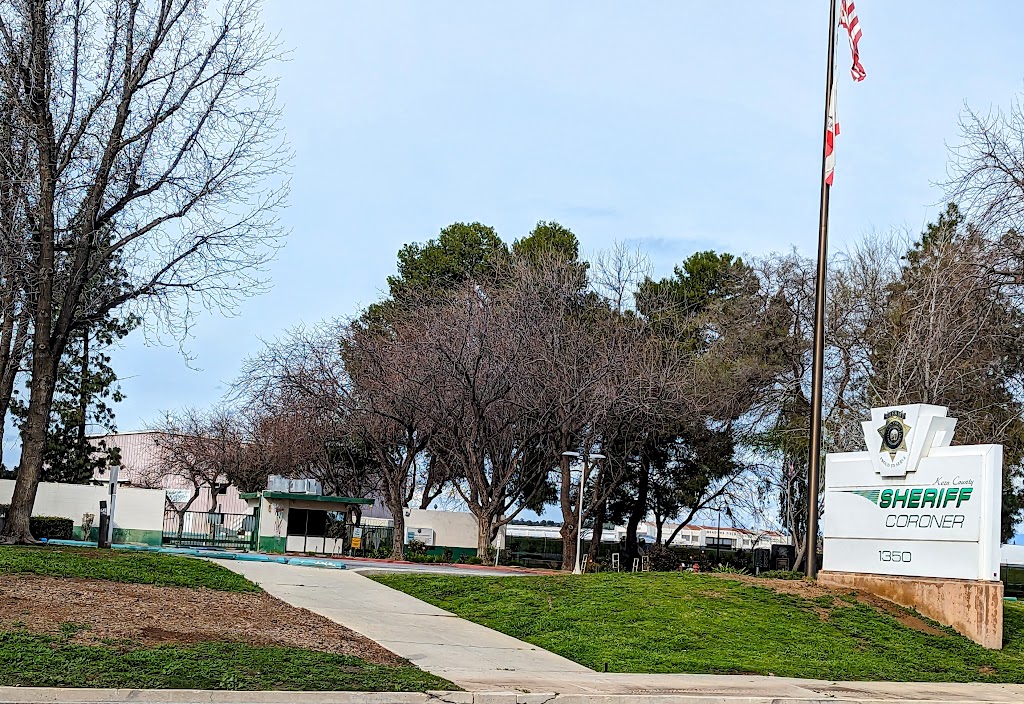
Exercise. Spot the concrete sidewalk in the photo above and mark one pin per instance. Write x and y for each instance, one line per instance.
(433, 639)
(497, 669)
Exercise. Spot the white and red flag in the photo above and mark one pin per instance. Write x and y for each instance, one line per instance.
(849, 21)
(831, 132)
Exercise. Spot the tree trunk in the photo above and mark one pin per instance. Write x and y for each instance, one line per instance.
(33, 446)
(46, 349)
(801, 554)
(395, 492)
(483, 535)
(568, 530)
(398, 535)
(638, 512)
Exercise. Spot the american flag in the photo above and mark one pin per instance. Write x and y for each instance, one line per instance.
(849, 21)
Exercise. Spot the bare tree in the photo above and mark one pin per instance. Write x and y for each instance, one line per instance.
(388, 410)
(198, 451)
(474, 353)
(349, 389)
(986, 178)
(949, 334)
(616, 274)
(151, 129)
(578, 353)
(15, 315)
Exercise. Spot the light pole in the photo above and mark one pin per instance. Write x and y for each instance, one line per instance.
(718, 537)
(579, 516)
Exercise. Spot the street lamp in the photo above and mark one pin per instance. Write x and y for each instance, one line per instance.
(718, 537)
(579, 516)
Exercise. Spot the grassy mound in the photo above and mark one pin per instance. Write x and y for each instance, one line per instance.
(121, 566)
(663, 623)
(46, 661)
(214, 648)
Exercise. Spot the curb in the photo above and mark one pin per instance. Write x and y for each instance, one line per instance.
(44, 695)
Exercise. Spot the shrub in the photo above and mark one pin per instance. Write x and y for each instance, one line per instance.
(426, 559)
(781, 574)
(54, 527)
(730, 569)
(662, 559)
(415, 547)
(49, 527)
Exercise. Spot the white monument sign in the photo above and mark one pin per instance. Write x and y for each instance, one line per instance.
(912, 505)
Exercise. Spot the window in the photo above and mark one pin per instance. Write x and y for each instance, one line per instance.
(310, 522)
(297, 521)
(316, 523)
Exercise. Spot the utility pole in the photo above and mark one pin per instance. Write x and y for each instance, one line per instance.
(818, 359)
(587, 457)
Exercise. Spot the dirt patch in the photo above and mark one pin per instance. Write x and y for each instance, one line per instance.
(133, 615)
(812, 590)
(907, 618)
(796, 587)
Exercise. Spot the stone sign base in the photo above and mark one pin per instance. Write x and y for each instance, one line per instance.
(971, 607)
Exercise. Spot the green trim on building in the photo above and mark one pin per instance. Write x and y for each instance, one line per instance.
(307, 497)
(271, 544)
(125, 536)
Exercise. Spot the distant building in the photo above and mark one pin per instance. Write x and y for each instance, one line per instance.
(696, 536)
(142, 465)
(728, 538)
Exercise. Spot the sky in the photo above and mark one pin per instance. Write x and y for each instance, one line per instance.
(672, 126)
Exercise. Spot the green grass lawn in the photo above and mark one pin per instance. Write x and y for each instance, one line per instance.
(32, 660)
(122, 566)
(707, 624)
(45, 660)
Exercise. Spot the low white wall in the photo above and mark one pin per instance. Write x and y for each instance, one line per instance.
(139, 513)
(1012, 554)
(452, 529)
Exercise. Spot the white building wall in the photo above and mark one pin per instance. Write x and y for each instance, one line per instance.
(138, 516)
(1012, 555)
(453, 529)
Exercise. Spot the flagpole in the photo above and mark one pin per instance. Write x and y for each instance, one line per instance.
(818, 354)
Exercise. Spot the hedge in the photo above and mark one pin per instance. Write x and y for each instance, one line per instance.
(55, 527)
